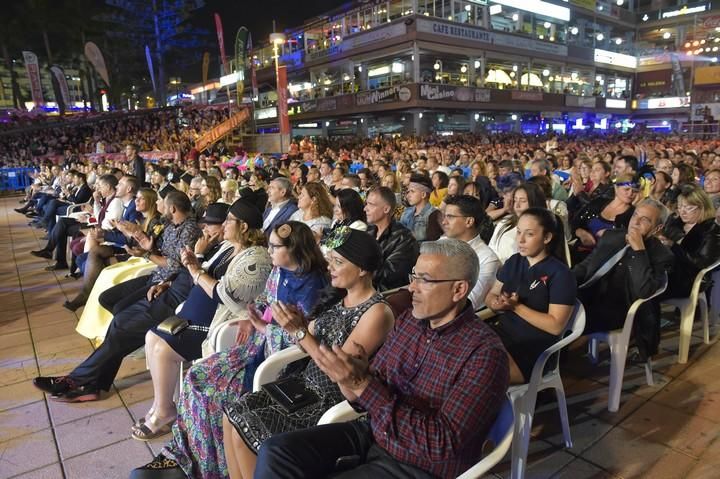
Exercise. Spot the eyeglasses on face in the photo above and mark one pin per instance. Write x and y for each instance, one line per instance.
(421, 280)
(272, 247)
(687, 208)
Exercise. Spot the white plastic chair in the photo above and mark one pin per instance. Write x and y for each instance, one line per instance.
(501, 436)
(618, 341)
(524, 396)
(73, 208)
(270, 369)
(687, 313)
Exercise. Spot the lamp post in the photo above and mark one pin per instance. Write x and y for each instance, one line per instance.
(278, 39)
(176, 81)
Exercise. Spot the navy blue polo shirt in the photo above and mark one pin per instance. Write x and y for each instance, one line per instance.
(548, 282)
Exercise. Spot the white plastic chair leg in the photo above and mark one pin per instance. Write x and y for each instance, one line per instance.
(179, 384)
(520, 444)
(593, 350)
(562, 408)
(618, 355)
(649, 373)
(703, 306)
(687, 316)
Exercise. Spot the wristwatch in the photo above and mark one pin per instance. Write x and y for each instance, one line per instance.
(300, 334)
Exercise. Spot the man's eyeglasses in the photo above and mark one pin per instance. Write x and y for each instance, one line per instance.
(452, 217)
(421, 280)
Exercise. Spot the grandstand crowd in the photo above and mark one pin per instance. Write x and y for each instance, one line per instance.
(372, 257)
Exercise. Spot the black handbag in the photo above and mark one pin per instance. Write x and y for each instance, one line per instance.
(291, 393)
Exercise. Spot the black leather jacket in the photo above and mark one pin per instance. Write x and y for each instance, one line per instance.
(400, 251)
(699, 248)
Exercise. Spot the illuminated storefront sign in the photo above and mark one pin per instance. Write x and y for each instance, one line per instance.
(383, 95)
(265, 113)
(670, 102)
(612, 103)
(232, 78)
(683, 11)
(478, 35)
(453, 93)
(538, 6)
(613, 58)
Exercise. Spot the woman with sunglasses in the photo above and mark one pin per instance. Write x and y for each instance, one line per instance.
(603, 213)
(196, 450)
(694, 238)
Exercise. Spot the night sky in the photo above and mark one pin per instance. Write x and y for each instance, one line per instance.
(257, 16)
(29, 18)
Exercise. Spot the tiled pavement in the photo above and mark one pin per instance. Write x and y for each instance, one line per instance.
(671, 430)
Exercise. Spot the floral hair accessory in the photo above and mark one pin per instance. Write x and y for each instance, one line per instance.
(284, 231)
(338, 237)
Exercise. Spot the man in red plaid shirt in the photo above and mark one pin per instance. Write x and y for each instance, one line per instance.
(432, 393)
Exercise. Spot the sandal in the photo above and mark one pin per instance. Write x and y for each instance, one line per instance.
(144, 433)
(138, 423)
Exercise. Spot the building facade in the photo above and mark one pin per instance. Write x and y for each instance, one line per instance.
(451, 66)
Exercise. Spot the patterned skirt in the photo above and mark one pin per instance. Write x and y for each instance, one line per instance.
(197, 443)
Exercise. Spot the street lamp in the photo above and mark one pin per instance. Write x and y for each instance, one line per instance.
(176, 81)
(278, 39)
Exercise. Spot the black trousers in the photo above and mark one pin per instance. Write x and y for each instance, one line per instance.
(125, 294)
(128, 328)
(58, 238)
(313, 453)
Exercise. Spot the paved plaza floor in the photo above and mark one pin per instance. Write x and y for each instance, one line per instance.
(670, 430)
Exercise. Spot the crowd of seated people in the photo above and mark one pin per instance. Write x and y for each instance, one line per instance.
(298, 250)
(170, 129)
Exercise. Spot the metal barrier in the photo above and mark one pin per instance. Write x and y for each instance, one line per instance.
(15, 179)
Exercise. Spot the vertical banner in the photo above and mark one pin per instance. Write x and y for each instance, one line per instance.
(33, 71)
(221, 42)
(282, 94)
(59, 75)
(148, 56)
(240, 55)
(205, 67)
(92, 52)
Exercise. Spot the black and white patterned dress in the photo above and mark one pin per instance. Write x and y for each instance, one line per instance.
(256, 416)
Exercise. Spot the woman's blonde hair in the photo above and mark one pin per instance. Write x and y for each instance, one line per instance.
(395, 182)
(150, 196)
(482, 165)
(694, 195)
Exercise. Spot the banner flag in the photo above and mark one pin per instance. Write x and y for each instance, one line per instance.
(33, 71)
(221, 42)
(92, 52)
(282, 94)
(59, 75)
(240, 56)
(205, 67)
